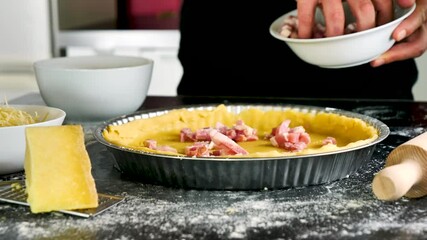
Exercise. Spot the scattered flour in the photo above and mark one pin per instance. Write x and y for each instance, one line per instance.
(344, 210)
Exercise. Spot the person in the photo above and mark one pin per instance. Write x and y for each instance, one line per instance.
(226, 50)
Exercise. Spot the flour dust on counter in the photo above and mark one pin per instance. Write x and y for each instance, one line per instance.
(230, 215)
(407, 132)
(381, 112)
(345, 209)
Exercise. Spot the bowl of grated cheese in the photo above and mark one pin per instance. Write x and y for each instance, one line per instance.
(14, 119)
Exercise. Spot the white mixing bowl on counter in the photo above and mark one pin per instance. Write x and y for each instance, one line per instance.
(94, 88)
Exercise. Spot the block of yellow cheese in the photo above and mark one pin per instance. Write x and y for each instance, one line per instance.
(58, 169)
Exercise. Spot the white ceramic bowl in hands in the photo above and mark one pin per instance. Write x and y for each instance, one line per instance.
(94, 88)
(346, 50)
(12, 139)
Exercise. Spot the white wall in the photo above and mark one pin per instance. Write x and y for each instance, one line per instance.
(25, 33)
(420, 88)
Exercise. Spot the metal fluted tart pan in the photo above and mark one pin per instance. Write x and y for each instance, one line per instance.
(240, 173)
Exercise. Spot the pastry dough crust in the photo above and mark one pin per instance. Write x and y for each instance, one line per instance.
(165, 129)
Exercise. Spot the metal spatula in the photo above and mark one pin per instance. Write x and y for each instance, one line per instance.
(17, 195)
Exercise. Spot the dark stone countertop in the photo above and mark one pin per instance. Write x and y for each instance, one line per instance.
(344, 209)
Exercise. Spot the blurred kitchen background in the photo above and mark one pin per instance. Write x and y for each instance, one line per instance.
(38, 29)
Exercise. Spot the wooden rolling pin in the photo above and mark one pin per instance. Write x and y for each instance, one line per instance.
(405, 171)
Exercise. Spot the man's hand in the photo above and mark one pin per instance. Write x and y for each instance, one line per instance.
(410, 35)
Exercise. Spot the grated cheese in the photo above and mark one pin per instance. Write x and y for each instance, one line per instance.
(14, 117)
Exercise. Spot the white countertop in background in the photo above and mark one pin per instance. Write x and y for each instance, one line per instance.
(16, 84)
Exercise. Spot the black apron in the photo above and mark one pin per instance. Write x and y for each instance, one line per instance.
(226, 50)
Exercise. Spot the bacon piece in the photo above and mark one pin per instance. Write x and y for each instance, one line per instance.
(244, 132)
(319, 31)
(152, 144)
(239, 132)
(283, 127)
(226, 144)
(292, 139)
(221, 127)
(186, 135)
(198, 149)
(202, 134)
(219, 145)
(166, 148)
(231, 133)
(329, 140)
(289, 28)
(222, 139)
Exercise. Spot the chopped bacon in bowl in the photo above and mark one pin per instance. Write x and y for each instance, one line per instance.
(352, 48)
(290, 28)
